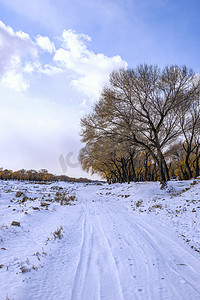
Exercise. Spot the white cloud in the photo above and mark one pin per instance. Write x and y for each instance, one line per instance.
(45, 44)
(19, 56)
(15, 82)
(15, 49)
(91, 70)
(31, 66)
(51, 70)
(84, 70)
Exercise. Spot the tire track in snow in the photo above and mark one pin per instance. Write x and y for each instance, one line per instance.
(83, 264)
(177, 260)
(148, 267)
(113, 264)
(176, 263)
(97, 274)
(135, 270)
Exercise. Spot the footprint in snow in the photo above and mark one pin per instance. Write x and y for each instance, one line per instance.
(139, 290)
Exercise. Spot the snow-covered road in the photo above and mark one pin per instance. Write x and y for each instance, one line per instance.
(123, 257)
(108, 252)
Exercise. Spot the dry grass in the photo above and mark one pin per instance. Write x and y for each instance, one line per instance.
(139, 203)
(44, 204)
(24, 269)
(153, 207)
(19, 194)
(35, 208)
(63, 198)
(58, 233)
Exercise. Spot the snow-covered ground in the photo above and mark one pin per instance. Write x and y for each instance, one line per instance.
(98, 241)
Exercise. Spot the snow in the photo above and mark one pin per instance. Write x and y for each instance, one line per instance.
(99, 241)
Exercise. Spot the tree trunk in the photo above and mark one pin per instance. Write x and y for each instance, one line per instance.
(185, 175)
(146, 167)
(161, 167)
(166, 169)
(133, 168)
(187, 165)
(124, 170)
(197, 170)
(118, 171)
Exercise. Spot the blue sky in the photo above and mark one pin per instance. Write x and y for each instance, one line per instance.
(55, 57)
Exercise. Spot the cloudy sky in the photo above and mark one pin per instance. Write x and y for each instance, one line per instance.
(55, 57)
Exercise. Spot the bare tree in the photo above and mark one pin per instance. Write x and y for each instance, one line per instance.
(140, 107)
(190, 126)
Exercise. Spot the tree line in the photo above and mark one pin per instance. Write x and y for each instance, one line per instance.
(145, 126)
(37, 176)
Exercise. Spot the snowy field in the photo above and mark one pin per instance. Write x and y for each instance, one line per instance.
(98, 241)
